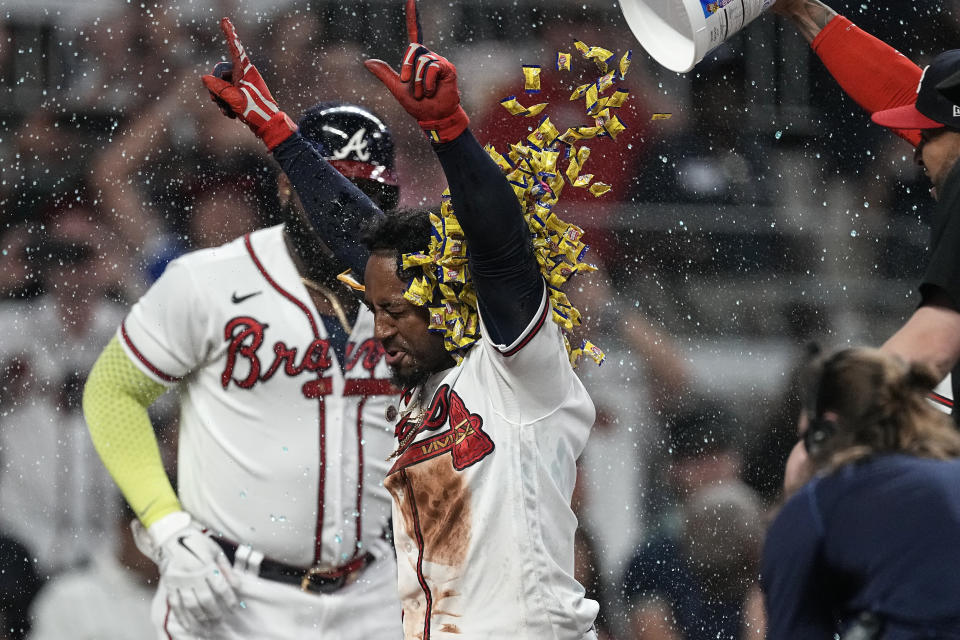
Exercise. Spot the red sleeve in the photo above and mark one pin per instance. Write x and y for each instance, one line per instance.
(873, 73)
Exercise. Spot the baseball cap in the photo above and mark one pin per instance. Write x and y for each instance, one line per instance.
(932, 110)
(950, 88)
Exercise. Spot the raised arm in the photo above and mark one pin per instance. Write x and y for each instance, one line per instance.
(502, 263)
(932, 334)
(809, 16)
(874, 74)
(504, 268)
(335, 206)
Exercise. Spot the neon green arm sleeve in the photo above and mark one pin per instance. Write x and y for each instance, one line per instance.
(115, 401)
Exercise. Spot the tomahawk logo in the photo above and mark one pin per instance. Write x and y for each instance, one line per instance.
(464, 437)
(357, 144)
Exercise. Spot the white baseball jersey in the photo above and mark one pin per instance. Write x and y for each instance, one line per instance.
(482, 519)
(279, 448)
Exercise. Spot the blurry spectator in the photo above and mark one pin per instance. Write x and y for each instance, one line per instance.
(702, 449)
(870, 542)
(175, 40)
(644, 380)
(695, 577)
(17, 279)
(6, 52)
(766, 457)
(18, 586)
(221, 214)
(151, 177)
(300, 73)
(107, 600)
(54, 493)
(700, 584)
(100, 77)
(44, 169)
(586, 569)
(708, 157)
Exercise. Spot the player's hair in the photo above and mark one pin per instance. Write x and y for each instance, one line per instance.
(402, 231)
(881, 406)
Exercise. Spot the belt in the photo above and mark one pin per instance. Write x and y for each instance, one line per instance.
(314, 579)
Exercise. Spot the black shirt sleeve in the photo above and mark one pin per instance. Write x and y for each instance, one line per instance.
(335, 206)
(943, 269)
(501, 257)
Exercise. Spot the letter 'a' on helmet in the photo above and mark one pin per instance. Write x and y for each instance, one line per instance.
(356, 143)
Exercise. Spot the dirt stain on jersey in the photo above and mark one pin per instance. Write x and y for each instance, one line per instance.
(450, 628)
(446, 593)
(442, 502)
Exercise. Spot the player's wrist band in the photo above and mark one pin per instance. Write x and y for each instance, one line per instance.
(277, 129)
(314, 579)
(446, 129)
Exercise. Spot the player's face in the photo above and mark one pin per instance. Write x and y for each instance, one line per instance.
(413, 352)
(938, 151)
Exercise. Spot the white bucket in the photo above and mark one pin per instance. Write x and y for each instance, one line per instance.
(679, 33)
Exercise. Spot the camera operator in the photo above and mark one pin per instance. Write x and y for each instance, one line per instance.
(867, 548)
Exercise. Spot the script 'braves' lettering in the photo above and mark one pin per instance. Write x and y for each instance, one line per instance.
(245, 335)
(368, 353)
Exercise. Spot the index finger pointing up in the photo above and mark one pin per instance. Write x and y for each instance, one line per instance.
(414, 32)
(237, 54)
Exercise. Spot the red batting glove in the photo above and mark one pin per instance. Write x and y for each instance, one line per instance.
(426, 86)
(246, 95)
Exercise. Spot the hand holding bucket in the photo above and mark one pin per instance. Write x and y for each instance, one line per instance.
(679, 33)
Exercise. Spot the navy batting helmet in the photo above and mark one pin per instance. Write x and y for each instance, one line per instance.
(358, 145)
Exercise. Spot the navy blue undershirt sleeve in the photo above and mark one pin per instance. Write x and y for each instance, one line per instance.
(502, 262)
(335, 206)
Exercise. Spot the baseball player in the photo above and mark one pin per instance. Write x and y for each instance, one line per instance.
(903, 97)
(279, 528)
(485, 462)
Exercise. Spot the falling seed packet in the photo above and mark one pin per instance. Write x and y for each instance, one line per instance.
(531, 76)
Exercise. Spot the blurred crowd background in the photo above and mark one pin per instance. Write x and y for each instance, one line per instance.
(766, 212)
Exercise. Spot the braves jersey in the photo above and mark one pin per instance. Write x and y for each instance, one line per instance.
(281, 446)
(482, 483)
